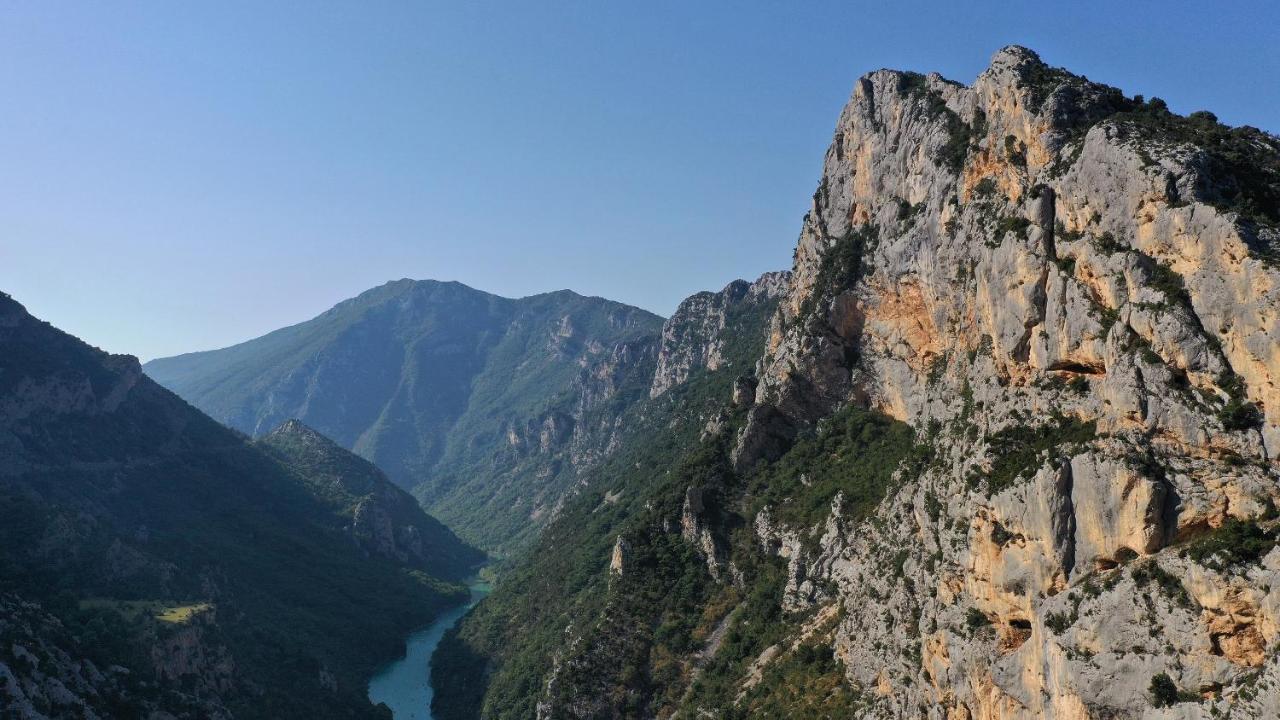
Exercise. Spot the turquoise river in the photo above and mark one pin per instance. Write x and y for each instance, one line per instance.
(405, 685)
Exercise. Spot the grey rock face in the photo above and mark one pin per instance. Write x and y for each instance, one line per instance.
(744, 391)
(695, 335)
(43, 674)
(694, 529)
(979, 259)
(1046, 281)
(618, 561)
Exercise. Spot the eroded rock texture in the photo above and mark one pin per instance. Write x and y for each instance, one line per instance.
(696, 335)
(1034, 252)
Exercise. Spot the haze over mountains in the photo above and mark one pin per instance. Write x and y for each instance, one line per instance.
(487, 408)
(229, 577)
(158, 562)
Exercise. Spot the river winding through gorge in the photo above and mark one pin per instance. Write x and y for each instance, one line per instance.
(405, 684)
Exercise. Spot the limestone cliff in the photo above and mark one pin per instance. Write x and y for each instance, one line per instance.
(1072, 292)
(697, 334)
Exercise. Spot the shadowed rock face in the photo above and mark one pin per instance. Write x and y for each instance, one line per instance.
(1072, 297)
(41, 669)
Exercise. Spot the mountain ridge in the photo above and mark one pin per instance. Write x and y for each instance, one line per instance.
(1009, 451)
(412, 374)
(399, 282)
(378, 516)
(157, 562)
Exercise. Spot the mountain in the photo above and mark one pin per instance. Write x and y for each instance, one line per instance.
(509, 648)
(486, 408)
(1009, 450)
(158, 564)
(710, 329)
(383, 520)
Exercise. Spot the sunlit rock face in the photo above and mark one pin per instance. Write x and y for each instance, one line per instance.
(1034, 251)
(695, 336)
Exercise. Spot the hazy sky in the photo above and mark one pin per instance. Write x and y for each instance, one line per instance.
(177, 177)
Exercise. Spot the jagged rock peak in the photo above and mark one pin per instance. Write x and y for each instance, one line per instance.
(296, 428)
(694, 337)
(1015, 58)
(1039, 258)
(1032, 209)
(1071, 299)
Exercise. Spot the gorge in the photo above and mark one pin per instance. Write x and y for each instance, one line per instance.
(1001, 444)
(404, 685)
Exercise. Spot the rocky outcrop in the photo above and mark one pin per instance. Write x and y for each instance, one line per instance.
(694, 337)
(184, 652)
(744, 391)
(1037, 262)
(696, 530)
(1048, 233)
(44, 673)
(1010, 451)
(618, 561)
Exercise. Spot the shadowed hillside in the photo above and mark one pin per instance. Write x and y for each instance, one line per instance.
(154, 560)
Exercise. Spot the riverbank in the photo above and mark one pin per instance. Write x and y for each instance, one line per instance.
(404, 685)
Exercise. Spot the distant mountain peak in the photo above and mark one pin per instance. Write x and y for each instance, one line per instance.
(428, 379)
(148, 550)
(294, 427)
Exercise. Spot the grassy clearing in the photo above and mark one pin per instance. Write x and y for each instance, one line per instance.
(133, 610)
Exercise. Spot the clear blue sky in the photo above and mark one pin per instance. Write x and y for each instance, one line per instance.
(177, 177)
